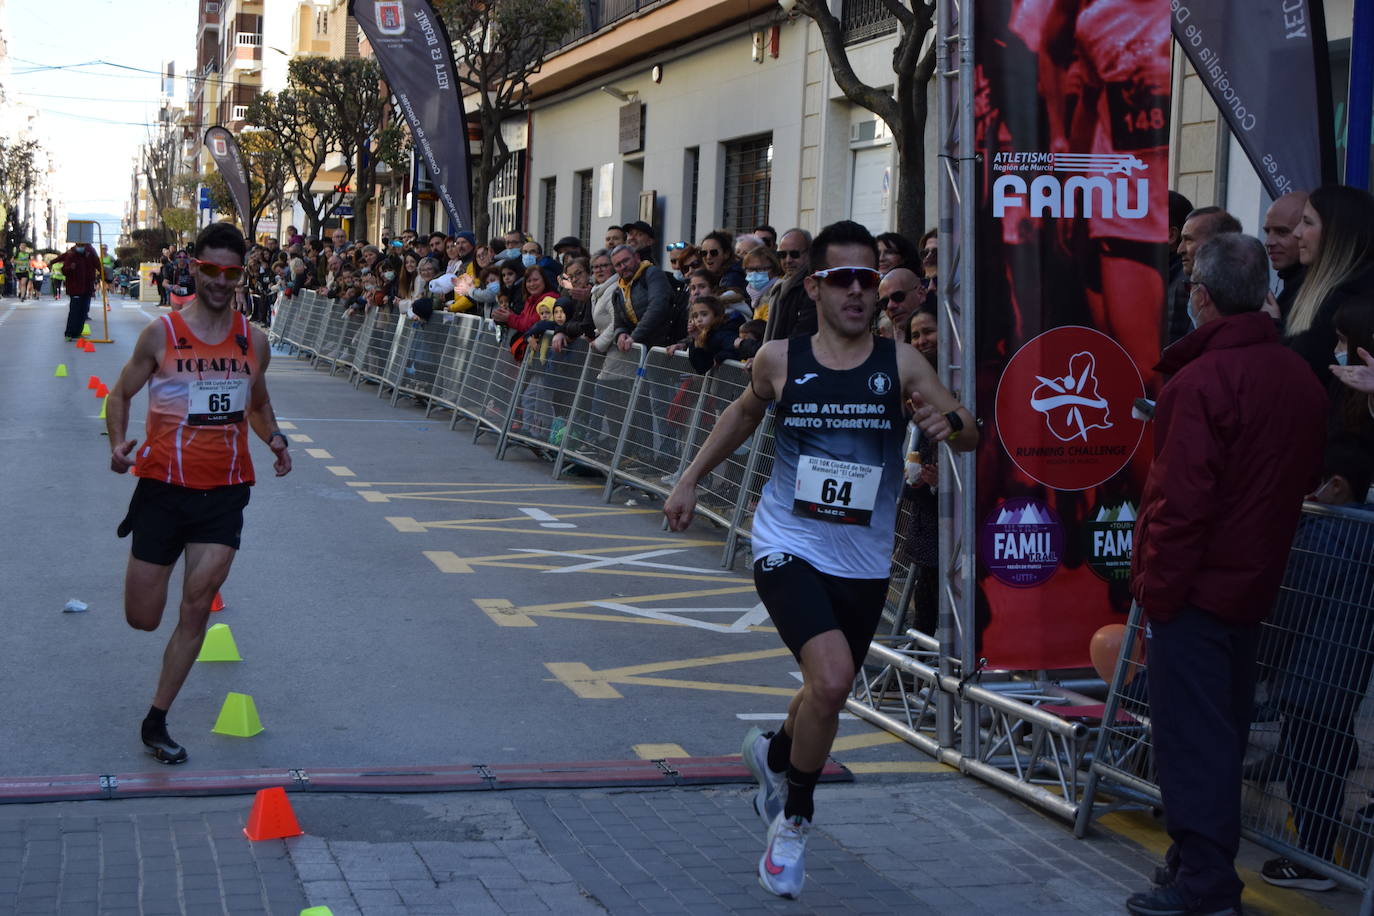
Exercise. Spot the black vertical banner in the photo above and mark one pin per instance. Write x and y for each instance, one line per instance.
(412, 45)
(224, 149)
(1264, 62)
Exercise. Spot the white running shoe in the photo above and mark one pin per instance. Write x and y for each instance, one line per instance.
(772, 793)
(782, 870)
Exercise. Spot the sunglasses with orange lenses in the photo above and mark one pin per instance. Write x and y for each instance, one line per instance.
(212, 270)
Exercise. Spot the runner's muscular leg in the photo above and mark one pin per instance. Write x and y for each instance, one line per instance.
(207, 566)
(827, 678)
(145, 593)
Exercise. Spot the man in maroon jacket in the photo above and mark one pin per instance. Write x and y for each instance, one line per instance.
(81, 267)
(1239, 431)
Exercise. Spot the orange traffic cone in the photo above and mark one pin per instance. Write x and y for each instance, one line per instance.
(271, 817)
(94, 383)
(101, 391)
(217, 604)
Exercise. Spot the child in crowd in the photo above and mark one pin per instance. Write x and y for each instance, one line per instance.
(711, 334)
(750, 339)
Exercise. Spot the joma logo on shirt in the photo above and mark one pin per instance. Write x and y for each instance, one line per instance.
(223, 364)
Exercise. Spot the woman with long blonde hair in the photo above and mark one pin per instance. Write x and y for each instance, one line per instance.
(1336, 245)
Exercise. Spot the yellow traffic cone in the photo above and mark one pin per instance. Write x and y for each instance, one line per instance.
(219, 645)
(86, 331)
(61, 371)
(238, 717)
(103, 401)
(317, 911)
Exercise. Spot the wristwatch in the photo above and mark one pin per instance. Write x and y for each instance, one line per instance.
(956, 425)
(275, 434)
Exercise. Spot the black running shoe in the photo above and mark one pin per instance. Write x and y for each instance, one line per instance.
(161, 745)
(1284, 872)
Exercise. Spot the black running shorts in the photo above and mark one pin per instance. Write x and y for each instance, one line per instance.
(164, 518)
(805, 602)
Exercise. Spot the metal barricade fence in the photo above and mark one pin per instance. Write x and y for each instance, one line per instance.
(281, 321)
(330, 342)
(313, 309)
(597, 416)
(418, 370)
(356, 347)
(544, 399)
(654, 434)
(462, 331)
(1308, 790)
(300, 319)
(374, 354)
(488, 393)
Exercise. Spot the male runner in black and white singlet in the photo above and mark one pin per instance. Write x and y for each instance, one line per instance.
(824, 527)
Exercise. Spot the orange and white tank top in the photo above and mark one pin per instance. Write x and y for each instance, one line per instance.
(197, 430)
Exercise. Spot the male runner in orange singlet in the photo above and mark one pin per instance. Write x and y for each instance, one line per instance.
(206, 369)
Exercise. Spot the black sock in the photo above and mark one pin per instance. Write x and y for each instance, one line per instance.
(800, 786)
(779, 751)
(156, 718)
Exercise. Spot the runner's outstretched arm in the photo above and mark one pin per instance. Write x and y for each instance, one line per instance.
(132, 378)
(735, 424)
(260, 414)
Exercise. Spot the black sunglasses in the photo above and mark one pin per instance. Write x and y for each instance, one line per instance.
(675, 246)
(712, 252)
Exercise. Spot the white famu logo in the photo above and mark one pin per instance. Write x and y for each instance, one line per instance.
(1091, 195)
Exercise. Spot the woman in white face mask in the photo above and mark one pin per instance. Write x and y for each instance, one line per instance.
(762, 271)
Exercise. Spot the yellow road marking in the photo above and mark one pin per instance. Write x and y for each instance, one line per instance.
(1143, 830)
(582, 681)
(871, 739)
(318, 453)
(286, 424)
(898, 766)
(503, 612)
(597, 685)
(448, 561)
(372, 496)
(337, 470)
(301, 437)
(659, 751)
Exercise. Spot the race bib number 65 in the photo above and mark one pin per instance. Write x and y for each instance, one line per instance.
(217, 402)
(842, 492)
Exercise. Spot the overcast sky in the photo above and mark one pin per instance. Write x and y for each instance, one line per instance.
(95, 117)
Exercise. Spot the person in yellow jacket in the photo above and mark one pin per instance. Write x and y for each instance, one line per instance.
(463, 268)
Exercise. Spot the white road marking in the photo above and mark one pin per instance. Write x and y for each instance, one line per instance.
(546, 520)
(747, 616)
(598, 562)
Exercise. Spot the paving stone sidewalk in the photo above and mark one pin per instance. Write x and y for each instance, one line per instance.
(936, 844)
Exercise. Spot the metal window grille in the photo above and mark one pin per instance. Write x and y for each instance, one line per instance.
(584, 206)
(861, 20)
(694, 169)
(550, 211)
(505, 195)
(748, 177)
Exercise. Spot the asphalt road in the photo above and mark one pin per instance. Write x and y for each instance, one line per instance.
(401, 598)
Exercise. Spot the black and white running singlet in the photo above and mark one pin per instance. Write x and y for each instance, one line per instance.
(837, 466)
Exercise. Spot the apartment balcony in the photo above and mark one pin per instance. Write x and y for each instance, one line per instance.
(617, 32)
(238, 113)
(245, 54)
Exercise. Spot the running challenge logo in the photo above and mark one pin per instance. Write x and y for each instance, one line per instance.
(1064, 408)
(1100, 185)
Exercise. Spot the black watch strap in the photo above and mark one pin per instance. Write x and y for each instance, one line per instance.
(956, 422)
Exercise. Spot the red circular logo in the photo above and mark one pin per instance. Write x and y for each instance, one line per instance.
(1064, 408)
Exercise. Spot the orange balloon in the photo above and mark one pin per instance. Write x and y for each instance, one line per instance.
(1105, 648)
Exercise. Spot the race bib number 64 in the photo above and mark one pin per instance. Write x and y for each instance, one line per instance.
(842, 492)
(217, 402)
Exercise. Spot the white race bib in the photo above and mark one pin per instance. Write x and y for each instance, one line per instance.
(836, 491)
(217, 401)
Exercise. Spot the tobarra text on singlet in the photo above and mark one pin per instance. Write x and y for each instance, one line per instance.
(837, 465)
(198, 399)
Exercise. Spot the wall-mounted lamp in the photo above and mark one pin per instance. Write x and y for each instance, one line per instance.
(621, 94)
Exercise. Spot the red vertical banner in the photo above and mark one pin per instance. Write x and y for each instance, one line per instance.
(1072, 116)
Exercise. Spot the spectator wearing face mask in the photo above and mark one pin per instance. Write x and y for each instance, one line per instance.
(762, 277)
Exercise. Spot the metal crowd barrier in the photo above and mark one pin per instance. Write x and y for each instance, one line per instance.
(1308, 792)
